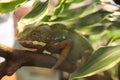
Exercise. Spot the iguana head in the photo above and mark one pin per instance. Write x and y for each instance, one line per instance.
(31, 37)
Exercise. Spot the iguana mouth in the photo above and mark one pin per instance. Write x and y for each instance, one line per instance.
(27, 44)
(32, 44)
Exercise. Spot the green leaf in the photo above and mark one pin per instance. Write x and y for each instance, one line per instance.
(74, 1)
(77, 12)
(91, 19)
(36, 14)
(7, 7)
(103, 59)
(58, 9)
(69, 2)
(62, 6)
(77, 1)
(6, 1)
(87, 21)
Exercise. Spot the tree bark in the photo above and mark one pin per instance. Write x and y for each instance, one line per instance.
(15, 59)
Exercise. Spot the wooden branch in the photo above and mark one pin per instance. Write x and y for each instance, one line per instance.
(14, 59)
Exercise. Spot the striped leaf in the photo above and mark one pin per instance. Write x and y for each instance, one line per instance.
(103, 59)
(37, 13)
(60, 7)
(6, 1)
(10, 6)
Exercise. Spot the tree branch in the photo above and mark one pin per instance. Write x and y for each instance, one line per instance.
(14, 59)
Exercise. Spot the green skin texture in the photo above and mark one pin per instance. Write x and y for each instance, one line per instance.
(53, 36)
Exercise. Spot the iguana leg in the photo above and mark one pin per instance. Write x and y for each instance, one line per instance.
(84, 56)
(66, 44)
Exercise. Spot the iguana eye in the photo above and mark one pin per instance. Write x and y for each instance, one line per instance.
(35, 34)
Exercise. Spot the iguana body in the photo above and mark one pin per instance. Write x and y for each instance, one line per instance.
(56, 39)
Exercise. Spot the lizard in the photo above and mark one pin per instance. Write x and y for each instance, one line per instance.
(56, 39)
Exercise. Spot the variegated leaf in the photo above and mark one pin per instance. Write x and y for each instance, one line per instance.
(103, 59)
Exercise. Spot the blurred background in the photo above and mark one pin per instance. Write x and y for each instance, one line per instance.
(8, 22)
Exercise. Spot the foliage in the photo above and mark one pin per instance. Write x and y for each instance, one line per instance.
(9, 6)
(101, 28)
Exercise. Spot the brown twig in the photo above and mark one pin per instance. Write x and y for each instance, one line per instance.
(17, 58)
